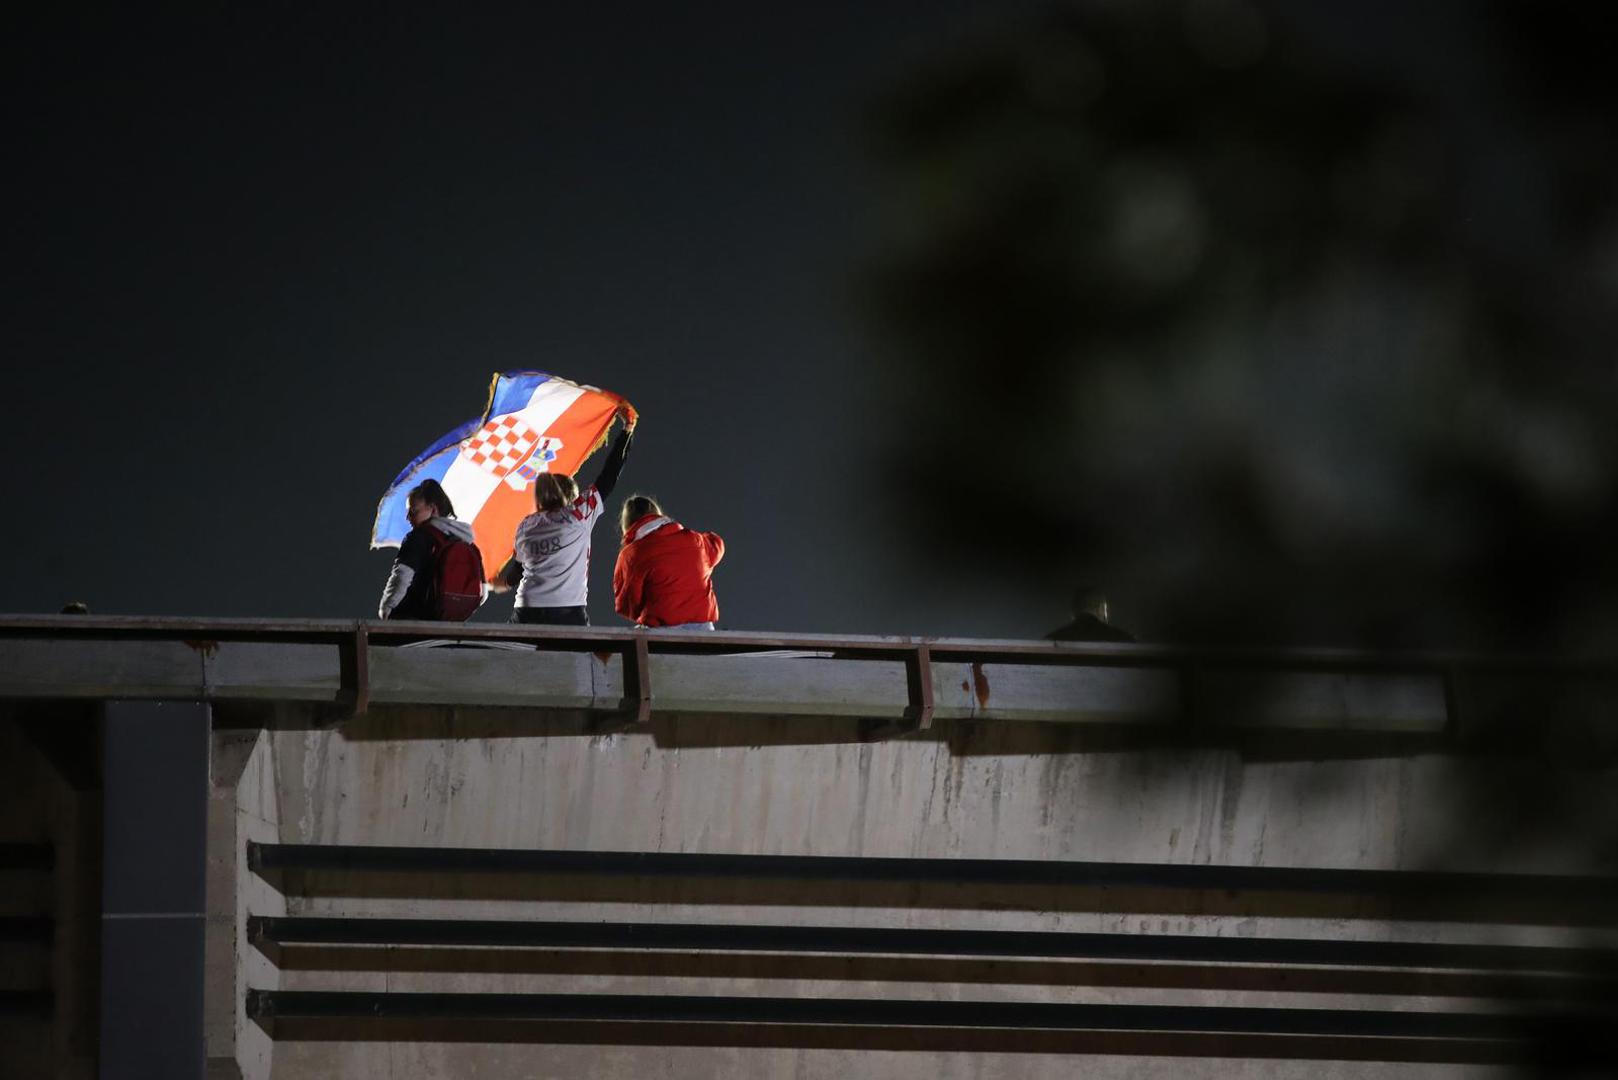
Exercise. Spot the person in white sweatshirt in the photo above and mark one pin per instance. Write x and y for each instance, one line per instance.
(550, 563)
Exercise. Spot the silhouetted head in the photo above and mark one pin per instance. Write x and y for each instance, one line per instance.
(552, 491)
(1090, 600)
(636, 507)
(427, 500)
(76, 607)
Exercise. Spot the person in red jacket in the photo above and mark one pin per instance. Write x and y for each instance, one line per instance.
(664, 576)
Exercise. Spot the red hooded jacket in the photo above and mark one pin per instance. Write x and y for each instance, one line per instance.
(664, 575)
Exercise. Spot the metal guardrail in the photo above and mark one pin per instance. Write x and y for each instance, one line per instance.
(354, 639)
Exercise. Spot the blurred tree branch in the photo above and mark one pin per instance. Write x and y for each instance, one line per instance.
(1279, 342)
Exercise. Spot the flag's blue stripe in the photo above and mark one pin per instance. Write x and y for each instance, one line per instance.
(439, 445)
(514, 389)
(391, 523)
(511, 393)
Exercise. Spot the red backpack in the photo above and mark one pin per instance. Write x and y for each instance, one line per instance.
(457, 578)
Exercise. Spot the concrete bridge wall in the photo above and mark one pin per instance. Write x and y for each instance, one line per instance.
(808, 754)
(431, 777)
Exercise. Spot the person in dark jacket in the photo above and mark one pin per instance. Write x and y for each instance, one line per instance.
(1089, 620)
(664, 576)
(408, 593)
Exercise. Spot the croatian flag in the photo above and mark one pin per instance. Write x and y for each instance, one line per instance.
(533, 423)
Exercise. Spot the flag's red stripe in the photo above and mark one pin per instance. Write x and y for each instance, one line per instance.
(579, 426)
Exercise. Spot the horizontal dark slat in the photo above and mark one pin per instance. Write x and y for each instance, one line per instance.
(14, 856)
(19, 928)
(1421, 884)
(879, 1012)
(997, 943)
(1015, 1041)
(25, 1003)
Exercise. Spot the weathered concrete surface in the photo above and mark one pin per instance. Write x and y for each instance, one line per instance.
(367, 1062)
(437, 777)
(432, 777)
(242, 807)
(770, 755)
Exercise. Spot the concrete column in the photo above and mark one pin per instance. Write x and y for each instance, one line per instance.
(155, 766)
(242, 807)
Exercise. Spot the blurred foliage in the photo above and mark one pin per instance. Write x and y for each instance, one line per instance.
(1283, 329)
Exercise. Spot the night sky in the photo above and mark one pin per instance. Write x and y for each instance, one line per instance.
(1285, 323)
(259, 260)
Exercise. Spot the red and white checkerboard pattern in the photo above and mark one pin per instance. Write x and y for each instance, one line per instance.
(500, 445)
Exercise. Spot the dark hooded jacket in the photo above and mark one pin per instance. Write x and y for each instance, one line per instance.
(407, 594)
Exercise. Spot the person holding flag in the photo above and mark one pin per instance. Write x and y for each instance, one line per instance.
(550, 562)
(536, 430)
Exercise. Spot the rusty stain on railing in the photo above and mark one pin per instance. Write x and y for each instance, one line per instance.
(980, 685)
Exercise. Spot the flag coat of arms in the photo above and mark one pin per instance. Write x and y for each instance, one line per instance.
(533, 423)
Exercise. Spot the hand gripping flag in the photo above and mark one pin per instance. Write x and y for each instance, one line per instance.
(533, 423)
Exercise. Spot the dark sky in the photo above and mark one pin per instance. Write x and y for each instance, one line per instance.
(258, 260)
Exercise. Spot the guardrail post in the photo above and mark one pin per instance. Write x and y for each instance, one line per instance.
(918, 714)
(638, 680)
(354, 694)
(635, 709)
(919, 684)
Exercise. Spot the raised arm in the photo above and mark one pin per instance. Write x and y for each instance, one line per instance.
(615, 462)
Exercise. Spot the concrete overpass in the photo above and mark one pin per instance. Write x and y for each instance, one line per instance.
(289, 849)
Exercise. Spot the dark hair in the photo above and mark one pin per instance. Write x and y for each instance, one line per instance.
(430, 491)
(636, 507)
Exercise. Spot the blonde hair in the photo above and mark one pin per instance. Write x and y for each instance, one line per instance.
(636, 507)
(552, 491)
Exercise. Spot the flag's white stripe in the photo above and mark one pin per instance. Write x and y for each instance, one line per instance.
(469, 485)
(549, 402)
